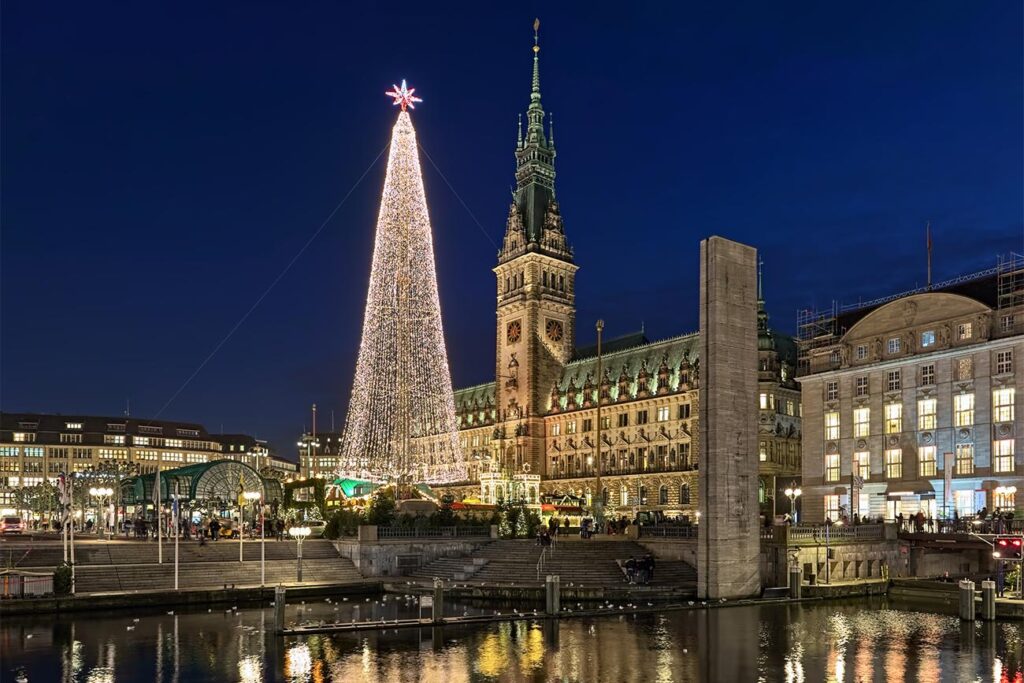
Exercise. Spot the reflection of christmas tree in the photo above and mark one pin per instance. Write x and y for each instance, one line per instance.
(400, 425)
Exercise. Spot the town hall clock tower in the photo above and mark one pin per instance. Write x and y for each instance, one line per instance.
(536, 312)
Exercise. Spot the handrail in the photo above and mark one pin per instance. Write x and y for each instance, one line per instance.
(540, 562)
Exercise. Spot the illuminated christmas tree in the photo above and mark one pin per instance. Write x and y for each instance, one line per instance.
(400, 427)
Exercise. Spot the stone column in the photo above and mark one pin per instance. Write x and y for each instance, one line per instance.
(728, 548)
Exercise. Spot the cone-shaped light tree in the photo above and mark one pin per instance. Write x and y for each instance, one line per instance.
(400, 427)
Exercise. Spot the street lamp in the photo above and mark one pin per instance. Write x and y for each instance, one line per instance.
(299, 533)
(598, 505)
(792, 494)
(252, 497)
(101, 493)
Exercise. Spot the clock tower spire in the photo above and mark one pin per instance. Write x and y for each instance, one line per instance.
(536, 310)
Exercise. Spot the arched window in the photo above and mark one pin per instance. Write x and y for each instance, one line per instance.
(663, 495)
(604, 495)
(643, 494)
(623, 495)
(684, 494)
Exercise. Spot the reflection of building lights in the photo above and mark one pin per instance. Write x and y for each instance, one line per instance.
(532, 656)
(250, 669)
(100, 675)
(298, 662)
(492, 657)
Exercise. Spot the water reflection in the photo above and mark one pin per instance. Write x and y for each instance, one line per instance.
(838, 642)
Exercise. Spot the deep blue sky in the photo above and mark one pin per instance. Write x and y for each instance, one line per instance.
(162, 164)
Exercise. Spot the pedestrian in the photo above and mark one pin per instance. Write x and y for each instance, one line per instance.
(214, 529)
(280, 529)
(650, 567)
(899, 522)
(631, 569)
(1000, 578)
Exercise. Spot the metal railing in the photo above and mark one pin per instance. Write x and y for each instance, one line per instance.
(438, 532)
(588, 471)
(664, 531)
(541, 562)
(863, 532)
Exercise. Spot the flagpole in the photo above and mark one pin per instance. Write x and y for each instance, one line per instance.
(177, 525)
(928, 244)
(159, 525)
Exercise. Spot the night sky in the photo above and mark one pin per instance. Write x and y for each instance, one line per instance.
(161, 166)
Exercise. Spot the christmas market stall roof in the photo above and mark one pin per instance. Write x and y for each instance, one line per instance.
(220, 479)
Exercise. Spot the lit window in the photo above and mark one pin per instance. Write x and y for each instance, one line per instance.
(832, 507)
(1002, 405)
(832, 467)
(926, 461)
(893, 380)
(861, 386)
(862, 459)
(1006, 323)
(1002, 456)
(1004, 362)
(764, 401)
(1004, 498)
(926, 414)
(606, 422)
(964, 331)
(965, 458)
(831, 390)
(893, 418)
(73, 425)
(893, 345)
(556, 429)
(113, 438)
(861, 422)
(894, 463)
(762, 451)
(832, 425)
(927, 375)
(927, 339)
(963, 410)
(861, 352)
(24, 437)
(663, 414)
(790, 407)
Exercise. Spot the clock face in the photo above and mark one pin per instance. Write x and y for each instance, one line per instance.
(514, 331)
(553, 329)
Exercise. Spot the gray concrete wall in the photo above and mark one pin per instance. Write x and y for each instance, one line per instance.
(380, 558)
(729, 544)
(684, 549)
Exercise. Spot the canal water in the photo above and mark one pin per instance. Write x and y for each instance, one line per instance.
(861, 641)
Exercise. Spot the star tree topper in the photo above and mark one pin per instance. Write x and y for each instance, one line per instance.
(403, 96)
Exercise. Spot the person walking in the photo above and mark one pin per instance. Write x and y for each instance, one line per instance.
(631, 570)
(1000, 579)
(214, 529)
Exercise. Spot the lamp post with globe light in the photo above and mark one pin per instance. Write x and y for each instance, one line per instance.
(101, 493)
(792, 493)
(299, 533)
(252, 497)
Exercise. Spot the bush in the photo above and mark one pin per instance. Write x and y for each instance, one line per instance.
(343, 523)
(382, 508)
(62, 579)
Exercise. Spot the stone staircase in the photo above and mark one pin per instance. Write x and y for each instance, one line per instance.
(583, 563)
(125, 566)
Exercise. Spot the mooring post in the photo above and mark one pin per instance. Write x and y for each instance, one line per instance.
(988, 600)
(967, 600)
(437, 612)
(279, 603)
(552, 586)
(795, 580)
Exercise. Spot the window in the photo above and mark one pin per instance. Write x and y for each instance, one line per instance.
(963, 410)
(965, 458)
(926, 414)
(964, 331)
(927, 339)
(556, 429)
(894, 463)
(188, 432)
(58, 453)
(832, 425)
(964, 368)
(832, 390)
(1002, 455)
(893, 418)
(762, 451)
(588, 425)
(623, 495)
(24, 437)
(150, 429)
(832, 467)
(72, 425)
(832, 507)
(926, 461)
(835, 357)
(1003, 498)
(1006, 323)
(117, 439)
(663, 414)
(893, 345)
(861, 386)
(115, 427)
(893, 380)
(863, 464)
(684, 411)
(623, 419)
(861, 422)
(570, 427)
(71, 438)
(684, 494)
(862, 352)
(34, 451)
(606, 422)
(790, 407)
(764, 402)
(1002, 405)
(1004, 362)
(684, 454)
(928, 375)
(641, 417)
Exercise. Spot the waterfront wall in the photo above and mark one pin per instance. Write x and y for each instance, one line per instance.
(398, 556)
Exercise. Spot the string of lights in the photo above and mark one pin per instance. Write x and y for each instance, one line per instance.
(400, 427)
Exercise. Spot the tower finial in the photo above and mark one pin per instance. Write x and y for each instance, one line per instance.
(519, 133)
(760, 278)
(536, 34)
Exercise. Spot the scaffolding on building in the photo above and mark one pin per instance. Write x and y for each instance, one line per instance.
(815, 328)
(1010, 277)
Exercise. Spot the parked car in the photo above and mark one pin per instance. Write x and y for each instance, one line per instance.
(12, 525)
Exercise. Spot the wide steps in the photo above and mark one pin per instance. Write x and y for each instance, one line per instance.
(145, 552)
